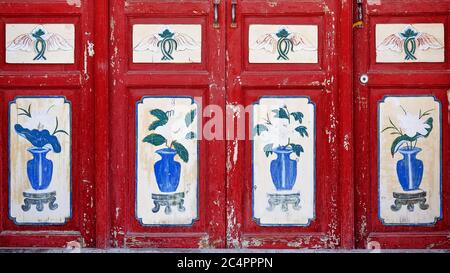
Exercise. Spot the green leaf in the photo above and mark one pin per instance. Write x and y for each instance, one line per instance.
(181, 151)
(281, 113)
(387, 128)
(159, 114)
(259, 128)
(155, 124)
(190, 117)
(398, 143)
(302, 131)
(298, 116)
(268, 149)
(297, 148)
(429, 122)
(60, 131)
(155, 139)
(190, 135)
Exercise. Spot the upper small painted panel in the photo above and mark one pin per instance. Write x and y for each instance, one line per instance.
(405, 43)
(40, 44)
(283, 44)
(167, 43)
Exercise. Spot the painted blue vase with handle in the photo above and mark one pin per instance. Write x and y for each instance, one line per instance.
(283, 169)
(410, 169)
(167, 170)
(39, 168)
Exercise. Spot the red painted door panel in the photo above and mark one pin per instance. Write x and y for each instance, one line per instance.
(61, 72)
(262, 69)
(139, 77)
(401, 71)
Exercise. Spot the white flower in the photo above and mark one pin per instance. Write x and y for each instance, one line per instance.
(279, 130)
(411, 125)
(40, 119)
(175, 129)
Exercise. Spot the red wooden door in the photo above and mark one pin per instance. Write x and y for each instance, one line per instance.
(167, 61)
(402, 125)
(283, 67)
(47, 126)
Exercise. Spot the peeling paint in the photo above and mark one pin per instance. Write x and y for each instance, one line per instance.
(232, 238)
(272, 4)
(294, 244)
(251, 243)
(117, 213)
(363, 226)
(86, 73)
(330, 135)
(76, 3)
(235, 153)
(346, 142)
(204, 242)
(91, 51)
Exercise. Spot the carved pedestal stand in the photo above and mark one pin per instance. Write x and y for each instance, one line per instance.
(409, 199)
(168, 200)
(39, 199)
(284, 200)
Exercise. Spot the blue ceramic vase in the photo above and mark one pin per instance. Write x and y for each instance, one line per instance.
(410, 169)
(283, 169)
(167, 170)
(39, 169)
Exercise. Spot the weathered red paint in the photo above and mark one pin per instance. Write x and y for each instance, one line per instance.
(101, 74)
(104, 93)
(419, 78)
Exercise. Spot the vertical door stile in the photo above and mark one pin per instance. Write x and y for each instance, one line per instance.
(167, 81)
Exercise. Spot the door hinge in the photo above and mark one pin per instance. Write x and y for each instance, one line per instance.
(359, 23)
